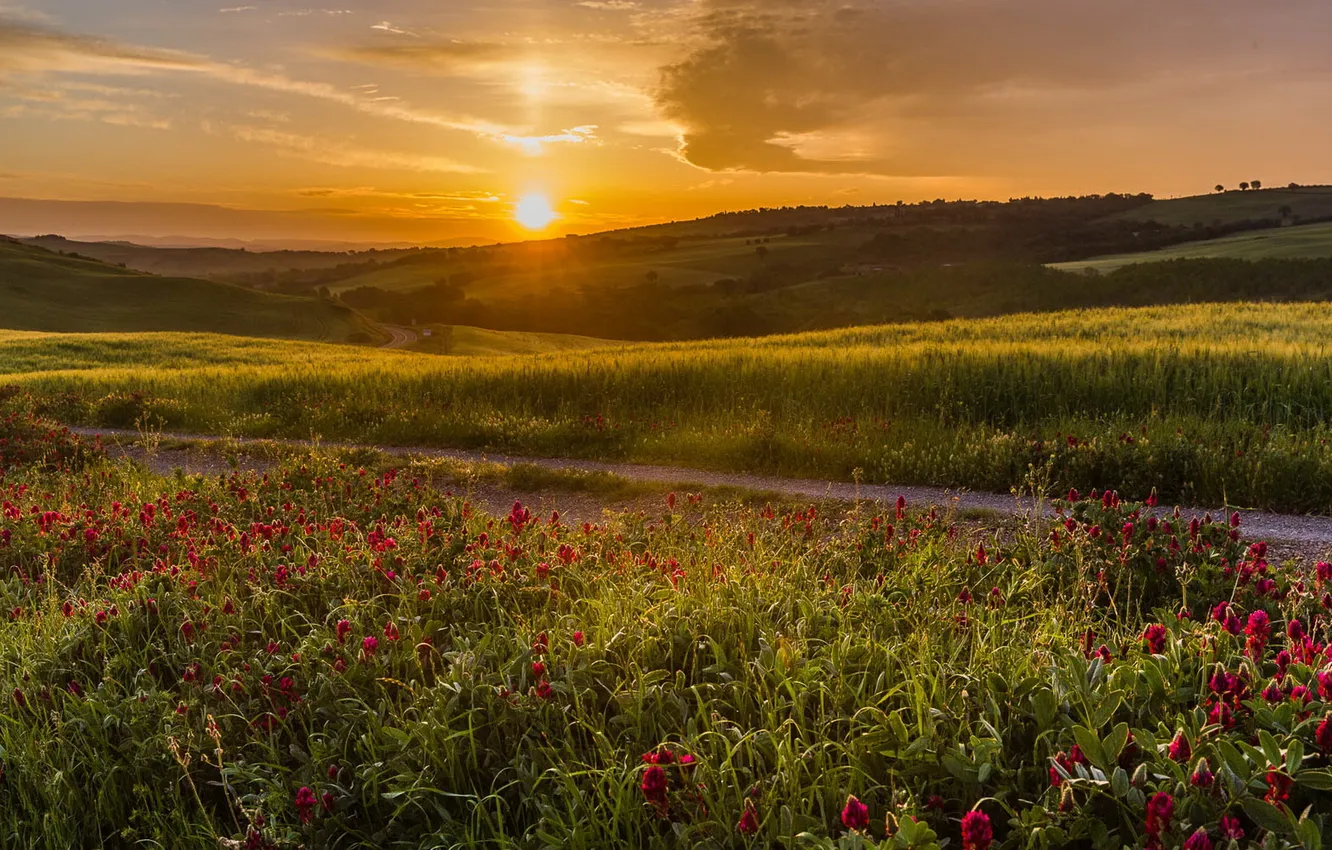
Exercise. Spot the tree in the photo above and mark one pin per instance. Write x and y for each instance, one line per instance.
(1285, 211)
(1220, 188)
(1244, 187)
(762, 252)
(652, 277)
(1256, 184)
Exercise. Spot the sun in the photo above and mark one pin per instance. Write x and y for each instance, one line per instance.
(534, 212)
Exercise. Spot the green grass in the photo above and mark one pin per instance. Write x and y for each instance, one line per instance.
(465, 341)
(1205, 403)
(44, 291)
(1234, 205)
(1301, 242)
(321, 656)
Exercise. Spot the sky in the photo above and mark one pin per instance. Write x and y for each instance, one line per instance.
(433, 121)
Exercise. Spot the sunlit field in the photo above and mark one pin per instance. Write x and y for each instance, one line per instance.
(1208, 404)
(330, 656)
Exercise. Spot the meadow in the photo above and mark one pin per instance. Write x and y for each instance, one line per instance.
(331, 656)
(1203, 404)
(1304, 241)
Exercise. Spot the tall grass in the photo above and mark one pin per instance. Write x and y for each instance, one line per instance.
(1212, 403)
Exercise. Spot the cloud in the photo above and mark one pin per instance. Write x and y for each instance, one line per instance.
(435, 56)
(30, 49)
(842, 86)
(337, 153)
(233, 9)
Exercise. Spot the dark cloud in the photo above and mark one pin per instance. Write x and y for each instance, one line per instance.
(765, 76)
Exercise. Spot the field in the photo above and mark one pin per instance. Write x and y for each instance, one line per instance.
(40, 290)
(330, 656)
(1306, 241)
(1210, 404)
(464, 341)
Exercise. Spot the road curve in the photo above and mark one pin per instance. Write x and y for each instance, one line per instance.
(402, 337)
(1305, 531)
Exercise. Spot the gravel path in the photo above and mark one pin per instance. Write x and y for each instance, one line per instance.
(1311, 535)
(402, 337)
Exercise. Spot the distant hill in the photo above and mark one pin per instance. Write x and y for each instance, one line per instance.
(209, 262)
(1308, 241)
(42, 290)
(1304, 203)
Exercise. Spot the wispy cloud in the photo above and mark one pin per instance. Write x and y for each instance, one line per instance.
(332, 152)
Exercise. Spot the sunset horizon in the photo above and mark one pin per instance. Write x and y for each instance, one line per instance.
(405, 122)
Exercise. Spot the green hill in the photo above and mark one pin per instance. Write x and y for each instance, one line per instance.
(1310, 241)
(45, 291)
(1303, 203)
(465, 341)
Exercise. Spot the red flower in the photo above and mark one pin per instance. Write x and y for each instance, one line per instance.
(749, 822)
(1230, 828)
(578, 638)
(653, 785)
(855, 815)
(344, 629)
(1179, 749)
(538, 669)
(1202, 775)
(369, 645)
(1160, 808)
(305, 803)
(1155, 635)
(1323, 735)
(544, 690)
(1278, 787)
(976, 831)
(391, 630)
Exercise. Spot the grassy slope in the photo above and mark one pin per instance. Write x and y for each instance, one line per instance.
(1206, 403)
(1305, 202)
(1306, 241)
(464, 341)
(41, 290)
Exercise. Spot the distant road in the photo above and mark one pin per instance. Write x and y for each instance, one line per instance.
(402, 337)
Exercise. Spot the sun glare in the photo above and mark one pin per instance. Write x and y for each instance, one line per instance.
(534, 212)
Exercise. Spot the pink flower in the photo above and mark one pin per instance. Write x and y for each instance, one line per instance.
(1231, 828)
(976, 831)
(369, 645)
(1198, 840)
(855, 814)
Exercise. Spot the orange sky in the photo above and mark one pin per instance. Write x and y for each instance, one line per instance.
(421, 120)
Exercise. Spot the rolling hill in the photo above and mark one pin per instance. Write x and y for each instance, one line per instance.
(45, 291)
(1304, 202)
(1309, 241)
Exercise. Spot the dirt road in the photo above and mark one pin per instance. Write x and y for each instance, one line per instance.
(402, 337)
(1312, 534)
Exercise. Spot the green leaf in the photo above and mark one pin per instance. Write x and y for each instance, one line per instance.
(1267, 816)
(1115, 741)
(1309, 834)
(1105, 712)
(1318, 780)
(1091, 745)
(1270, 748)
(1044, 704)
(1119, 782)
(1294, 756)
